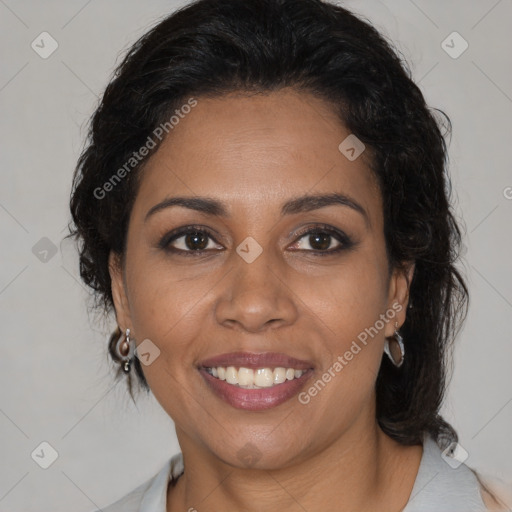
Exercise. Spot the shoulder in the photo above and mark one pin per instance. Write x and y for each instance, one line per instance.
(131, 502)
(444, 483)
(151, 495)
(496, 495)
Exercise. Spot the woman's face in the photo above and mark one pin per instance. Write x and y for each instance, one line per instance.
(252, 288)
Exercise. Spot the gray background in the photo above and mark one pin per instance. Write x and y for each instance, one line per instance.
(55, 378)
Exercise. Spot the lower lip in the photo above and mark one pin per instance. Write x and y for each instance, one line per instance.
(255, 399)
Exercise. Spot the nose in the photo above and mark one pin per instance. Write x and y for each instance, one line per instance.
(256, 297)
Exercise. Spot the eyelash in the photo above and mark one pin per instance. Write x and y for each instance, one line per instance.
(342, 238)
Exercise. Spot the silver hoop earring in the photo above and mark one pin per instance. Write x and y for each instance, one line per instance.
(394, 348)
(125, 350)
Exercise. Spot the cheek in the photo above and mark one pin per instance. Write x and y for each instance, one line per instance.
(346, 307)
(349, 296)
(171, 312)
(164, 305)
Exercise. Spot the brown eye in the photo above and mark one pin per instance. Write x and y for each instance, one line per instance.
(196, 240)
(319, 240)
(188, 240)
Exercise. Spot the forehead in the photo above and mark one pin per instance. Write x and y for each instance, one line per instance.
(253, 152)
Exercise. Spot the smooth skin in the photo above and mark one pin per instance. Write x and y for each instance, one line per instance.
(253, 153)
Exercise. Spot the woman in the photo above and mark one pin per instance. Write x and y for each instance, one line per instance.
(264, 204)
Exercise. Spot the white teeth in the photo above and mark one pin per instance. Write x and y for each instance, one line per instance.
(231, 375)
(245, 376)
(279, 375)
(255, 379)
(264, 377)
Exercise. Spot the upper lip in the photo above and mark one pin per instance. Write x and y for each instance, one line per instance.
(256, 360)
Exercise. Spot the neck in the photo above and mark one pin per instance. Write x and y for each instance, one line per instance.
(362, 470)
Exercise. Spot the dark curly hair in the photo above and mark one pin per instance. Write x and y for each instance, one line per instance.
(212, 47)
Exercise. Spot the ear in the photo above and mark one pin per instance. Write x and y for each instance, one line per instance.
(398, 297)
(119, 292)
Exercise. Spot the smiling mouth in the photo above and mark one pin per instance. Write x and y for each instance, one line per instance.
(257, 378)
(255, 381)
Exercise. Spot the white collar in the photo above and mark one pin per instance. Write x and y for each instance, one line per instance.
(155, 497)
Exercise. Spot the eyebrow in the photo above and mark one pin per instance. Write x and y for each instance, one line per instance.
(296, 205)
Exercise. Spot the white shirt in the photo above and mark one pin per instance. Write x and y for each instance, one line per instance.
(438, 487)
